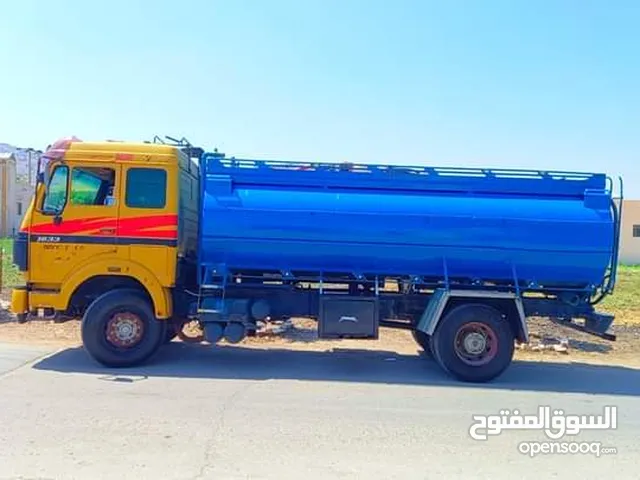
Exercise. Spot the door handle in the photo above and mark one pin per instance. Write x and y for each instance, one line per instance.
(107, 231)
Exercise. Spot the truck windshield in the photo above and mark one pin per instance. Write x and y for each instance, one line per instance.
(56, 193)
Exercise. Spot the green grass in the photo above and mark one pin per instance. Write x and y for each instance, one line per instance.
(11, 277)
(624, 303)
(626, 296)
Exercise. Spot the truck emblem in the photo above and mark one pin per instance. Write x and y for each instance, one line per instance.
(47, 239)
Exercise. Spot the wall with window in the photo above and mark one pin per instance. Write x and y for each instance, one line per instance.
(630, 234)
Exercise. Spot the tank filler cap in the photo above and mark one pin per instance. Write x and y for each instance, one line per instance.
(217, 154)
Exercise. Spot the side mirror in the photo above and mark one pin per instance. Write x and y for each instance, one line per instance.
(57, 220)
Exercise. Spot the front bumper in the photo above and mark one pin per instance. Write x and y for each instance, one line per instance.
(20, 303)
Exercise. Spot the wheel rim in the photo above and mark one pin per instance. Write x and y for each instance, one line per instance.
(476, 344)
(125, 330)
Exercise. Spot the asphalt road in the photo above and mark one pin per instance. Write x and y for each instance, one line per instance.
(234, 412)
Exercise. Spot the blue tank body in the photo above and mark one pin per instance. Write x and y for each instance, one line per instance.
(546, 229)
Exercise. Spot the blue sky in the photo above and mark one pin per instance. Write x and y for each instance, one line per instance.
(546, 84)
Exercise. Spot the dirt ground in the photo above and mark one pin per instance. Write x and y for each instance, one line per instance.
(548, 342)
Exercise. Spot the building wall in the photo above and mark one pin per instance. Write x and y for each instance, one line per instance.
(24, 193)
(7, 195)
(630, 244)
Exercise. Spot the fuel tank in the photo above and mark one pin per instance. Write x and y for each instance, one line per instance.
(553, 230)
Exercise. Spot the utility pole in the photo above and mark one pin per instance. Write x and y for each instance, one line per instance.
(29, 151)
(38, 155)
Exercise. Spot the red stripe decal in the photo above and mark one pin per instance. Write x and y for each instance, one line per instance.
(73, 226)
(170, 234)
(130, 226)
(147, 227)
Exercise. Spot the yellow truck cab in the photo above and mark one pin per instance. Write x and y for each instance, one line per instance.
(110, 217)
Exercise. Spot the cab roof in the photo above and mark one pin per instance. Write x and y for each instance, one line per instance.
(125, 147)
(113, 151)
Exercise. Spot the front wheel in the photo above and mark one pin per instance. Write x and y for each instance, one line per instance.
(119, 329)
(474, 343)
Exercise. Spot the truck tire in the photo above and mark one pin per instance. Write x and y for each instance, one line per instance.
(474, 343)
(424, 341)
(119, 329)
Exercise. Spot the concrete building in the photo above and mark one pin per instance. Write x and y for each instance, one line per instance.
(630, 233)
(24, 192)
(9, 222)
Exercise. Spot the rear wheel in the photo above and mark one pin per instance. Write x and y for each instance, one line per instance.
(474, 343)
(119, 329)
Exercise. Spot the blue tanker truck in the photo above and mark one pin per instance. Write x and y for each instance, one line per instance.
(459, 257)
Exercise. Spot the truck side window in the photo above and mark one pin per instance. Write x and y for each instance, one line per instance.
(146, 188)
(56, 195)
(92, 186)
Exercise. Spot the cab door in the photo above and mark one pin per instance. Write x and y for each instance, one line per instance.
(148, 217)
(77, 221)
